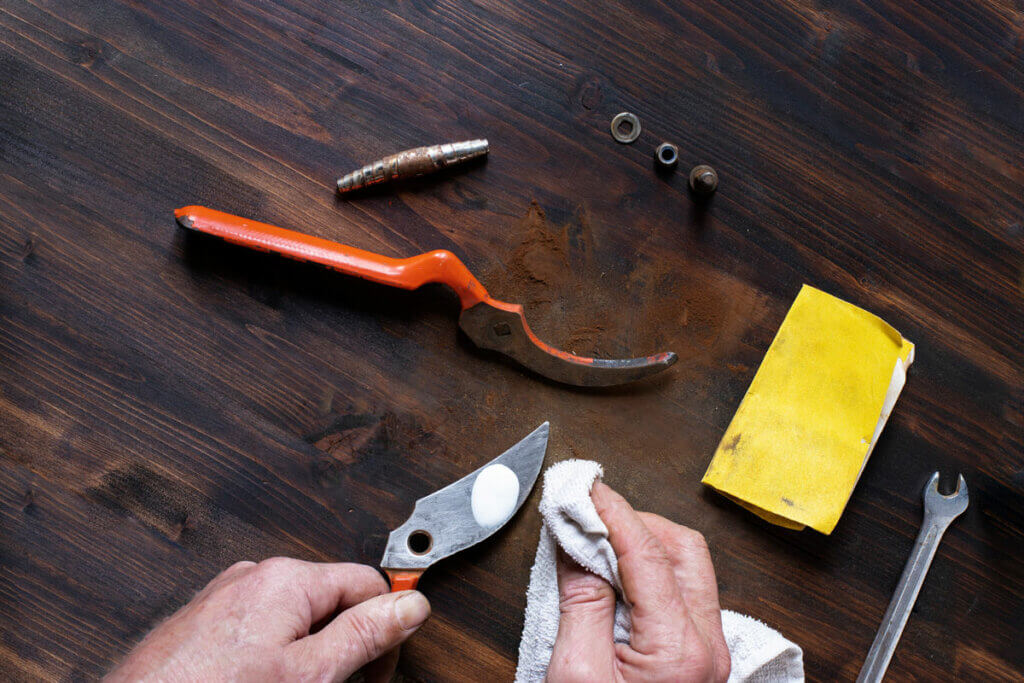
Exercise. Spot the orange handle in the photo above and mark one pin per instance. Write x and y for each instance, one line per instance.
(409, 273)
(403, 579)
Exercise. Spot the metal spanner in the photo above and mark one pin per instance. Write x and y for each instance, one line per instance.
(939, 511)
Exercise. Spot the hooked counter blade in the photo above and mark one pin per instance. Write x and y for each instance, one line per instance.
(445, 523)
(501, 327)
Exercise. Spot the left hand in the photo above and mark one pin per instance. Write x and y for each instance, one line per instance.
(253, 622)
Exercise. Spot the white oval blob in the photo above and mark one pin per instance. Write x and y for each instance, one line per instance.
(494, 496)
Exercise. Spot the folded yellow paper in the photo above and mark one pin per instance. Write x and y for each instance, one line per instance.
(803, 433)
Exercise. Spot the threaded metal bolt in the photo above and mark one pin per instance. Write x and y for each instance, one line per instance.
(703, 179)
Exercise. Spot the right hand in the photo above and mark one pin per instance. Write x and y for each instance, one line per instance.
(668, 581)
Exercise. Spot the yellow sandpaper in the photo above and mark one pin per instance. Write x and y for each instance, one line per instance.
(802, 434)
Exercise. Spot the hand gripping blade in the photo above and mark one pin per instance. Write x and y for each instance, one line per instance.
(444, 523)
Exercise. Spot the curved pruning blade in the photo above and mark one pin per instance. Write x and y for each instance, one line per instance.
(501, 327)
(446, 516)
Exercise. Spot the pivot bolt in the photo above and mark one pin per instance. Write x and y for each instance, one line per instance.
(703, 179)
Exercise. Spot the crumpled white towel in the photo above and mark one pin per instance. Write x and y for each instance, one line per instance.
(759, 653)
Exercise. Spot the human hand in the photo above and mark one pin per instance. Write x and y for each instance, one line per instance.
(668, 581)
(254, 621)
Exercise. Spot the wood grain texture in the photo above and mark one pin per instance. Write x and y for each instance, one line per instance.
(170, 404)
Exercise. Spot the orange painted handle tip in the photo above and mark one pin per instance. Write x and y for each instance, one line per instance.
(403, 580)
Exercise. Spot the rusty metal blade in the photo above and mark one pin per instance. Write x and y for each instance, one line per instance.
(445, 519)
(501, 327)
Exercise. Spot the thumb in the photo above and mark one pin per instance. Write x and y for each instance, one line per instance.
(359, 635)
(584, 649)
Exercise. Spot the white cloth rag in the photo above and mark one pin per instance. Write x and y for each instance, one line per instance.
(759, 653)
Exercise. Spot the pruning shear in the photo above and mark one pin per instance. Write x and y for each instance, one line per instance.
(465, 512)
(490, 323)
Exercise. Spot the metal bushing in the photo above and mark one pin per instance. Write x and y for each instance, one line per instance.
(703, 180)
(666, 155)
(625, 127)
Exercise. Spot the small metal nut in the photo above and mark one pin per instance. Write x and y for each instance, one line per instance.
(667, 155)
(703, 179)
(625, 127)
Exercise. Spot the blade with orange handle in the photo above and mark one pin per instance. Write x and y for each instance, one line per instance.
(403, 580)
(490, 323)
(464, 512)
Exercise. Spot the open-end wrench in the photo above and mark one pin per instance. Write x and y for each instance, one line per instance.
(939, 512)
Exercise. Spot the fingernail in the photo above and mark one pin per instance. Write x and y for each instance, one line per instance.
(412, 609)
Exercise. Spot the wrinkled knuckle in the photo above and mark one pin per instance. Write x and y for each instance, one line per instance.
(705, 671)
(576, 673)
(369, 574)
(238, 567)
(650, 550)
(308, 669)
(276, 567)
(717, 654)
(617, 503)
(573, 667)
(277, 667)
(699, 665)
(583, 591)
(692, 540)
(233, 572)
(367, 637)
(276, 563)
(723, 666)
(695, 669)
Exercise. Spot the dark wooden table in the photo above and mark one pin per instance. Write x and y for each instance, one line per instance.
(170, 404)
